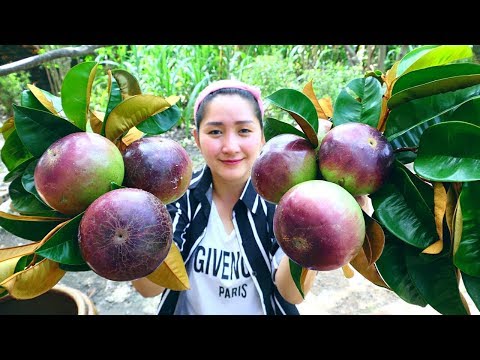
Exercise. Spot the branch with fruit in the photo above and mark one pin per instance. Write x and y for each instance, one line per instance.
(408, 141)
(78, 185)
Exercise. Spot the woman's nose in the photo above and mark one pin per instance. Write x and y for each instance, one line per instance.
(230, 144)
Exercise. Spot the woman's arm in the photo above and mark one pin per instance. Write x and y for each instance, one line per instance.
(286, 286)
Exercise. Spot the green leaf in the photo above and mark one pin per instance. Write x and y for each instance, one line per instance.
(131, 112)
(360, 101)
(26, 203)
(449, 152)
(23, 262)
(114, 186)
(76, 268)
(76, 90)
(404, 207)
(161, 122)
(411, 57)
(63, 246)
(18, 171)
(56, 102)
(29, 100)
(28, 180)
(411, 139)
(392, 266)
(39, 129)
(467, 112)
(436, 279)
(128, 84)
(29, 230)
(467, 256)
(431, 55)
(472, 285)
(413, 113)
(301, 108)
(420, 279)
(273, 127)
(14, 152)
(296, 272)
(423, 76)
(432, 88)
(114, 99)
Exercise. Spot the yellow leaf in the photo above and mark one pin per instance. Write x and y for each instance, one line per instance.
(368, 271)
(323, 106)
(367, 249)
(440, 205)
(127, 83)
(132, 135)
(435, 248)
(327, 107)
(440, 201)
(28, 218)
(310, 93)
(303, 277)
(33, 281)
(391, 77)
(173, 99)
(96, 119)
(7, 125)
(382, 122)
(7, 267)
(374, 240)
(42, 98)
(171, 274)
(450, 209)
(347, 271)
(12, 252)
(109, 81)
(457, 227)
(91, 77)
(465, 304)
(131, 112)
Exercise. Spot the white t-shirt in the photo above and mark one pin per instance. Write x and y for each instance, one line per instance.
(220, 283)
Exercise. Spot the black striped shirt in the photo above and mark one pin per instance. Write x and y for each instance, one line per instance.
(253, 221)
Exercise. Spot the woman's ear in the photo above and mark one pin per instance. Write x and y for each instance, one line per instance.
(195, 136)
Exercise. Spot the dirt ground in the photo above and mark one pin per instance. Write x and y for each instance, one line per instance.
(332, 293)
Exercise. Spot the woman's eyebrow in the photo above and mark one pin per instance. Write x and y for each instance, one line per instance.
(219, 123)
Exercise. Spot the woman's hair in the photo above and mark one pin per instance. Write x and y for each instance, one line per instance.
(247, 95)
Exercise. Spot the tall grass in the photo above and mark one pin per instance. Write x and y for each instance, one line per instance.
(183, 70)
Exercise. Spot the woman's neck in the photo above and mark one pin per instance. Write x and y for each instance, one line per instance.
(227, 192)
(225, 196)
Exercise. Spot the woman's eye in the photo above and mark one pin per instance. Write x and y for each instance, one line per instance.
(245, 131)
(214, 132)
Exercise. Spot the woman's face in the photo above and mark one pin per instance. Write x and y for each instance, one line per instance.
(230, 138)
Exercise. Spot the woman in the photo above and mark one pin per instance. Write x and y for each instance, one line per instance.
(222, 227)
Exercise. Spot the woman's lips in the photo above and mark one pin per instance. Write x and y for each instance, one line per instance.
(231, 162)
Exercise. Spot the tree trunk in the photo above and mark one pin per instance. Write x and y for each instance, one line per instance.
(351, 55)
(476, 52)
(382, 54)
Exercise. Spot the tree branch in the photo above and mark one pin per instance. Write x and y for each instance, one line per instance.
(32, 61)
